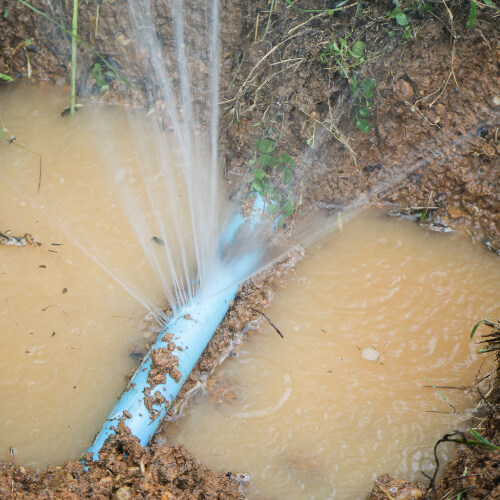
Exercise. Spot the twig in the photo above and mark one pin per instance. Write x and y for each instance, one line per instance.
(268, 20)
(335, 132)
(490, 406)
(11, 141)
(413, 107)
(305, 22)
(269, 320)
(250, 74)
(446, 387)
(385, 492)
(74, 34)
(452, 72)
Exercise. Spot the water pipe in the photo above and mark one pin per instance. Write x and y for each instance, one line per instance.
(178, 347)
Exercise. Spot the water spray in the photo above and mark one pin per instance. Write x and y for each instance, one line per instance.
(163, 371)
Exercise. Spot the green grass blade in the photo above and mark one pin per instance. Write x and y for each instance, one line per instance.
(472, 15)
(74, 34)
(121, 77)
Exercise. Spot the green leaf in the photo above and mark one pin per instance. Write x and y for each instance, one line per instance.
(401, 18)
(252, 162)
(364, 112)
(428, 8)
(265, 145)
(97, 71)
(483, 440)
(287, 175)
(286, 158)
(358, 49)
(288, 208)
(472, 15)
(259, 187)
(367, 87)
(6, 78)
(27, 41)
(271, 208)
(266, 160)
(5, 13)
(258, 174)
(478, 323)
(363, 126)
(354, 87)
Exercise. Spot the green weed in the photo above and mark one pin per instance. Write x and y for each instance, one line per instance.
(344, 52)
(401, 19)
(363, 93)
(273, 171)
(102, 77)
(348, 54)
(492, 339)
(441, 395)
(74, 35)
(471, 20)
(76, 38)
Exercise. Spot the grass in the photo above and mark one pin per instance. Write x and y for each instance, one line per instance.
(74, 35)
(273, 172)
(492, 339)
(75, 39)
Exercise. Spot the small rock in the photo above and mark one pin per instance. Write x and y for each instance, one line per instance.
(370, 354)
(404, 89)
(440, 109)
(454, 212)
(122, 494)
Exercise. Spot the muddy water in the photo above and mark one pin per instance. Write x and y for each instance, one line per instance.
(306, 416)
(67, 328)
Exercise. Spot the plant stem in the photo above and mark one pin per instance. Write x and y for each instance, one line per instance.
(118, 74)
(74, 35)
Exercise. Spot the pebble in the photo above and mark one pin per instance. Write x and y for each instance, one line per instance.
(404, 89)
(370, 354)
(122, 494)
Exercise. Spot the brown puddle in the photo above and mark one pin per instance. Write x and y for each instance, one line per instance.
(67, 328)
(306, 416)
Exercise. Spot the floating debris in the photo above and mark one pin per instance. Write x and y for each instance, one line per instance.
(370, 354)
(158, 240)
(19, 241)
(414, 213)
(437, 226)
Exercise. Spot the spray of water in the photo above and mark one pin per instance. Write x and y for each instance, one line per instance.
(170, 185)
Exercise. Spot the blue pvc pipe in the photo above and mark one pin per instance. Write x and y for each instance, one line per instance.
(190, 331)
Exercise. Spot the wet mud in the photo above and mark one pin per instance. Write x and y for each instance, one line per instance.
(432, 149)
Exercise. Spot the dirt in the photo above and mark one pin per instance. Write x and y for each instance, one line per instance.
(432, 150)
(126, 470)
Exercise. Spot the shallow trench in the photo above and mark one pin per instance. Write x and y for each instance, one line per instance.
(297, 414)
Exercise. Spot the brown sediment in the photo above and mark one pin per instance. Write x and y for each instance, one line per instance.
(163, 362)
(157, 399)
(125, 470)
